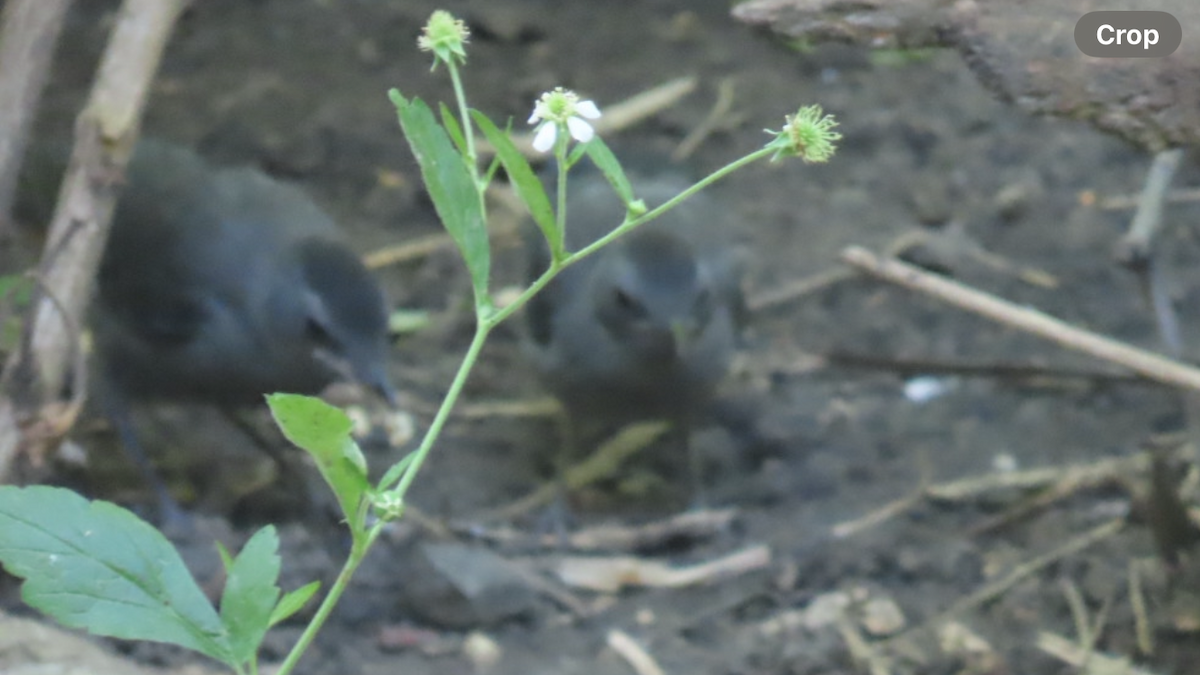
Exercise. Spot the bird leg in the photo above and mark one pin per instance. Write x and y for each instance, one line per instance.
(172, 518)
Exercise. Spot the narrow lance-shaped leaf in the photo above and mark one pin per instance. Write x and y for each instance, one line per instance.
(96, 566)
(450, 122)
(393, 474)
(324, 432)
(450, 185)
(607, 162)
(292, 602)
(524, 181)
(251, 592)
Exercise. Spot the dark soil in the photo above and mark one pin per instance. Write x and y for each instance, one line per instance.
(298, 88)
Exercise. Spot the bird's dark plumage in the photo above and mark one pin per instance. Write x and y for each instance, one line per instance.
(219, 286)
(222, 285)
(646, 327)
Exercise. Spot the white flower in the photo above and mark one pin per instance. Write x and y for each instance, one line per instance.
(559, 107)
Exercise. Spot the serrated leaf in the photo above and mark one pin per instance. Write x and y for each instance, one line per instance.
(96, 566)
(250, 594)
(324, 432)
(450, 185)
(292, 602)
(524, 181)
(606, 161)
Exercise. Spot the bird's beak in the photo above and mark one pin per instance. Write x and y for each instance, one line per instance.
(373, 376)
(377, 381)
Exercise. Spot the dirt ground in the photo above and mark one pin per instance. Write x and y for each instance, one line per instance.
(1011, 205)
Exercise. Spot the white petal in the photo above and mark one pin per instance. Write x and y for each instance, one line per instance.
(535, 116)
(544, 139)
(580, 130)
(588, 109)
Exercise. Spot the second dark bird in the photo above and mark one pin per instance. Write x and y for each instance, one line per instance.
(645, 328)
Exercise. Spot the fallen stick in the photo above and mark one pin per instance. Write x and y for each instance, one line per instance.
(1093, 662)
(634, 654)
(611, 574)
(1147, 363)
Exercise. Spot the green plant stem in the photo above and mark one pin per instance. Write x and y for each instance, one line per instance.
(482, 328)
(666, 206)
(481, 299)
(560, 214)
(358, 551)
(468, 136)
(486, 319)
(557, 266)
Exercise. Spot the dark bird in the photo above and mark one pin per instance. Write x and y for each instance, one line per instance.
(219, 286)
(645, 328)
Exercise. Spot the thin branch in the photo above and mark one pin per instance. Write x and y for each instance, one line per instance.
(1149, 364)
(27, 40)
(106, 131)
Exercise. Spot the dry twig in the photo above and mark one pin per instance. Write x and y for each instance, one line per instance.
(995, 589)
(1141, 617)
(106, 131)
(1091, 663)
(687, 525)
(600, 464)
(1147, 363)
(634, 654)
(611, 574)
(718, 117)
(1122, 202)
(27, 41)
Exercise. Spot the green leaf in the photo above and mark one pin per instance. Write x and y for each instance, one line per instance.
(96, 566)
(292, 602)
(607, 162)
(324, 432)
(450, 185)
(226, 558)
(524, 181)
(576, 154)
(451, 123)
(251, 592)
(393, 474)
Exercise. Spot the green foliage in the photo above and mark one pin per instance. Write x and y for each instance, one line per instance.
(524, 181)
(453, 128)
(251, 593)
(450, 185)
(96, 566)
(294, 601)
(324, 432)
(610, 166)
